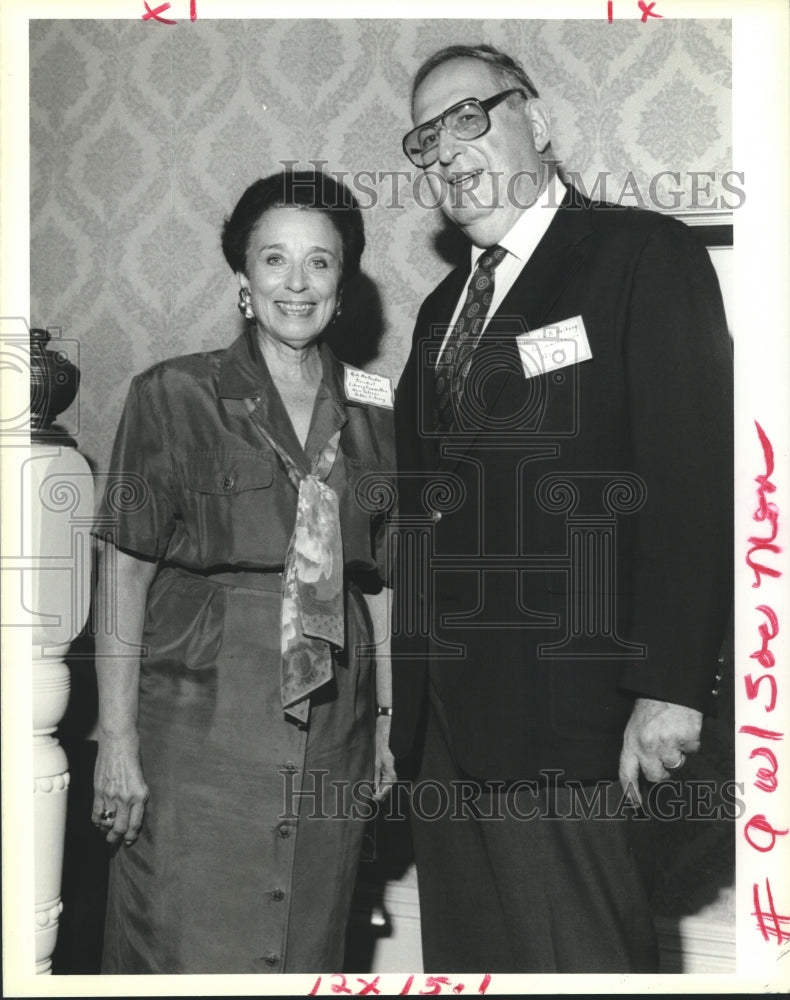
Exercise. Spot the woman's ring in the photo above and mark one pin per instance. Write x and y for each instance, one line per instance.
(107, 815)
(680, 763)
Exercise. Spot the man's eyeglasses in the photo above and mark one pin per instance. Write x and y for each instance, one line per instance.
(469, 119)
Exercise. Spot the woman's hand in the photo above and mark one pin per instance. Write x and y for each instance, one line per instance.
(120, 791)
(384, 776)
(119, 788)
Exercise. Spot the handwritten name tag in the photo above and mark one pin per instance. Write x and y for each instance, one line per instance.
(365, 387)
(553, 347)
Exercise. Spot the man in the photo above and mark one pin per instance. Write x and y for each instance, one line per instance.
(564, 427)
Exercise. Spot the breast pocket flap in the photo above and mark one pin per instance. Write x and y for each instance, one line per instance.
(226, 474)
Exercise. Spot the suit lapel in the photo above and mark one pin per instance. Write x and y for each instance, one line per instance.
(416, 395)
(526, 307)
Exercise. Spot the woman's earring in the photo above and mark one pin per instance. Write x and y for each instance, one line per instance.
(245, 303)
(338, 309)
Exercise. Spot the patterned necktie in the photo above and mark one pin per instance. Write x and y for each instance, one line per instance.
(456, 359)
(312, 620)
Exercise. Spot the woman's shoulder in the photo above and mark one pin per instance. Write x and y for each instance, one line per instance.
(181, 371)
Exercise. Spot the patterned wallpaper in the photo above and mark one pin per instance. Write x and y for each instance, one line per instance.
(144, 135)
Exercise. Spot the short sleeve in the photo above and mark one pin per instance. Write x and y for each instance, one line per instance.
(137, 511)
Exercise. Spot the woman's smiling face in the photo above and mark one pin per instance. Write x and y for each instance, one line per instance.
(294, 267)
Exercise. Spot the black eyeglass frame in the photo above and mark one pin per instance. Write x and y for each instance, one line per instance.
(485, 106)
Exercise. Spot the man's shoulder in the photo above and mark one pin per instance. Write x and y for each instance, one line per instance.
(448, 289)
(629, 222)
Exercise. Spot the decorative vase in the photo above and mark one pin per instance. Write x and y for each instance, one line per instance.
(54, 382)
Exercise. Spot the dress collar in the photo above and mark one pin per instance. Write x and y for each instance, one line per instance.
(244, 374)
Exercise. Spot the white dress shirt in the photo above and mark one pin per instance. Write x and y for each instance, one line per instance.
(520, 243)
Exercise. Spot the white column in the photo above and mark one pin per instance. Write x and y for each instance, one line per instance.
(58, 497)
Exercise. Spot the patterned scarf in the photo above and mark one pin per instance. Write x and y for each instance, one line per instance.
(312, 611)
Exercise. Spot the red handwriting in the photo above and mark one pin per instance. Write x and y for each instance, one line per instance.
(779, 926)
(763, 655)
(761, 833)
(431, 985)
(646, 8)
(761, 825)
(647, 11)
(766, 511)
(765, 778)
(765, 658)
(156, 13)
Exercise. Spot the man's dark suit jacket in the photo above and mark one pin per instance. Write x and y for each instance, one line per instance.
(652, 412)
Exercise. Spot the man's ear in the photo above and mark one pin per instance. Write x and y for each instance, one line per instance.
(540, 122)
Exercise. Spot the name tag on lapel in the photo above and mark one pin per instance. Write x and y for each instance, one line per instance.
(365, 387)
(552, 347)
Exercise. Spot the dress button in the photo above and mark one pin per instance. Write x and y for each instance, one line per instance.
(284, 830)
(228, 482)
(277, 895)
(271, 959)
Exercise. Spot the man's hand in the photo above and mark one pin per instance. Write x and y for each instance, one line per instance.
(384, 775)
(657, 738)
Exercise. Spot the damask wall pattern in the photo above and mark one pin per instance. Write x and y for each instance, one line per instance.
(144, 135)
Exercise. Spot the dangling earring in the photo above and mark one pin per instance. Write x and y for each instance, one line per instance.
(338, 309)
(245, 303)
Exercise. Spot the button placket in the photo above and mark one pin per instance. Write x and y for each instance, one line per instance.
(289, 775)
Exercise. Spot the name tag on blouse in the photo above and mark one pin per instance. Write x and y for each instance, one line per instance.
(365, 387)
(552, 347)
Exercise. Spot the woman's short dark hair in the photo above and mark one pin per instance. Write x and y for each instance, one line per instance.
(309, 189)
(508, 72)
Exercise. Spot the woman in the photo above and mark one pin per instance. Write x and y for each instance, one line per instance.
(231, 751)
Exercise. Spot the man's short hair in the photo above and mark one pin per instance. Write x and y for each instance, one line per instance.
(506, 70)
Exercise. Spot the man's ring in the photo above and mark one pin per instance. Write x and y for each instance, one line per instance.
(107, 815)
(680, 763)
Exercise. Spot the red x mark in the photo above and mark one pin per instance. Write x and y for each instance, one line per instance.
(369, 986)
(149, 14)
(647, 11)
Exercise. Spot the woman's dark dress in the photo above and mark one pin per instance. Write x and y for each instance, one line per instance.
(252, 833)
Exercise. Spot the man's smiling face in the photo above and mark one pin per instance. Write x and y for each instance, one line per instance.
(484, 184)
